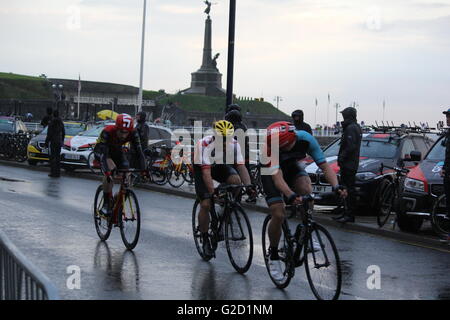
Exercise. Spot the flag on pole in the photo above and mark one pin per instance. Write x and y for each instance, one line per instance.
(328, 97)
(79, 83)
(316, 102)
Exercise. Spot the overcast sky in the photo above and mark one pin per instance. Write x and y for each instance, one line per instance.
(357, 50)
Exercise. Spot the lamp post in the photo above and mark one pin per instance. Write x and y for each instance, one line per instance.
(58, 94)
(230, 67)
(142, 58)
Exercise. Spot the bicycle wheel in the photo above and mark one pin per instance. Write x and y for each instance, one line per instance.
(285, 253)
(175, 175)
(439, 218)
(188, 173)
(196, 230)
(103, 225)
(387, 198)
(158, 173)
(93, 165)
(323, 266)
(239, 239)
(130, 220)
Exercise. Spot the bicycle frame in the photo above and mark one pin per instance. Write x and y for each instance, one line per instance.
(230, 202)
(119, 197)
(303, 234)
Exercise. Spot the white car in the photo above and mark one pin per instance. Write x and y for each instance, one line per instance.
(76, 150)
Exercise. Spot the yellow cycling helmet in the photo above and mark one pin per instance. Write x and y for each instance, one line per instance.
(224, 128)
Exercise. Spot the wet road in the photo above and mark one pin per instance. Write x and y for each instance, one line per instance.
(51, 223)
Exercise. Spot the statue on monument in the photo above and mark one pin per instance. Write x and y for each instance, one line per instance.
(208, 8)
(214, 61)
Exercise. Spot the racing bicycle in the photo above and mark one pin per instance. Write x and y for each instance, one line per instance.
(390, 194)
(323, 266)
(230, 224)
(125, 213)
(440, 219)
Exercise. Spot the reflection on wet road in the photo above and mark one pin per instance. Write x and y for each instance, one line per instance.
(51, 222)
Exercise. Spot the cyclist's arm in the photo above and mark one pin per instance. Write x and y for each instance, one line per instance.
(207, 178)
(280, 184)
(330, 175)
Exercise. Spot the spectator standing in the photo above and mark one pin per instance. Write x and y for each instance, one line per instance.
(143, 129)
(55, 140)
(298, 117)
(233, 115)
(348, 160)
(45, 121)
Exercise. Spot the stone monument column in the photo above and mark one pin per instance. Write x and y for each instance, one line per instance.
(207, 80)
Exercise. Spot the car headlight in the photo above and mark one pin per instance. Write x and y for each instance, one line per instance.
(414, 185)
(364, 176)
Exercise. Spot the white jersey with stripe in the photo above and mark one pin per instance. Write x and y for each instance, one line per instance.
(206, 153)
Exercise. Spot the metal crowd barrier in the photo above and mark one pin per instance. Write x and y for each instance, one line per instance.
(19, 278)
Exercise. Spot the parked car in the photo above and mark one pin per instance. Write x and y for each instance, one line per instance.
(12, 125)
(422, 186)
(388, 148)
(77, 149)
(37, 152)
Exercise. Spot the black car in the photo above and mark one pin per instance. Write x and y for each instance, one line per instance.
(422, 186)
(389, 148)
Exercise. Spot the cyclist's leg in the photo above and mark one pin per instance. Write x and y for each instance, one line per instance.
(229, 175)
(108, 184)
(275, 202)
(205, 200)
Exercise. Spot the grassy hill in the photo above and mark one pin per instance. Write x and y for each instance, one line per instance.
(15, 86)
(211, 104)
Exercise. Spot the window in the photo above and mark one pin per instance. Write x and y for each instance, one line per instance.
(408, 146)
(154, 134)
(419, 142)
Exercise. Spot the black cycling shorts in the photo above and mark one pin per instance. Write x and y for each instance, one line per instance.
(291, 171)
(219, 172)
(117, 156)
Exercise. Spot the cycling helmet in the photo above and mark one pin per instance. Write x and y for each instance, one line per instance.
(233, 106)
(282, 130)
(234, 116)
(224, 128)
(124, 122)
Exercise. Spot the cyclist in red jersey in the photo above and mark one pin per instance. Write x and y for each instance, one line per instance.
(109, 152)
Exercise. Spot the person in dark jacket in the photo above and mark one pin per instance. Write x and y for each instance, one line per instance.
(348, 159)
(47, 118)
(234, 116)
(143, 129)
(297, 117)
(55, 137)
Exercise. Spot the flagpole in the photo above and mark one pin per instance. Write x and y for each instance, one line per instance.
(328, 111)
(79, 90)
(142, 59)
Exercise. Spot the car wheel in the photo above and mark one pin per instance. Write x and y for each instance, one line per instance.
(409, 223)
